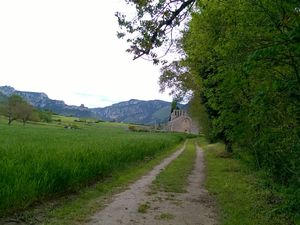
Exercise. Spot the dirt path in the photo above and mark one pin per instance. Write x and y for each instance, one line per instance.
(192, 208)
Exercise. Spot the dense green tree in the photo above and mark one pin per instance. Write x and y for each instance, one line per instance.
(246, 65)
(17, 108)
(241, 61)
(26, 112)
(45, 116)
(174, 105)
(12, 108)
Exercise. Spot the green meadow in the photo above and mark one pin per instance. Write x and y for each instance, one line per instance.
(41, 160)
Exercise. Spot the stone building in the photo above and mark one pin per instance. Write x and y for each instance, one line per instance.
(181, 122)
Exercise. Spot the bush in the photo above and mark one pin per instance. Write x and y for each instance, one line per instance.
(138, 128)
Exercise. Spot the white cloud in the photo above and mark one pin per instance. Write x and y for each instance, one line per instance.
(64, 47)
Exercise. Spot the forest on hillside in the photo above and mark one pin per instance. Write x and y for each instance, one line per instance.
(240, 65)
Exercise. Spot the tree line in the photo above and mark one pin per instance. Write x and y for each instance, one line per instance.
(16, 108)
(241, 62)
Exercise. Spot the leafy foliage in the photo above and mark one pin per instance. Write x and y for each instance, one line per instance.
(153, 25)
(16, 108)
(241, 61)
(45, 116)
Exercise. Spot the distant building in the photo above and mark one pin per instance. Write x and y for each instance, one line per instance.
(181, 122)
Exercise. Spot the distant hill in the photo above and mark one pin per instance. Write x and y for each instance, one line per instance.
(136, 111)
(42, 101)
(132, 111)
(2, 98)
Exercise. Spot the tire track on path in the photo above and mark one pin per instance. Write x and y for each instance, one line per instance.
(195, 207)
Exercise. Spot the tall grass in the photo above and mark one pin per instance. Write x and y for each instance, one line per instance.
(37, 161)
(238, 190)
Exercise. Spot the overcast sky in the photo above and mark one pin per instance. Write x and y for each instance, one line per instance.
(69, 50)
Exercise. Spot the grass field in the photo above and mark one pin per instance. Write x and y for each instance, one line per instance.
(91, 199)
(40, 160)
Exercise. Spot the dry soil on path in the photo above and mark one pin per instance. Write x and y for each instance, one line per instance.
(195, 207)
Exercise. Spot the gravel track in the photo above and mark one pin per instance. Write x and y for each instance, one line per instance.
(195, 207)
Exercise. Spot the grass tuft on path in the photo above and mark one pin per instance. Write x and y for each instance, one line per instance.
(241, 200)
(175, 177)
(143, 208)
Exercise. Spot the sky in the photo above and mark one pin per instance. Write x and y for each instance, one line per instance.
(68, 49)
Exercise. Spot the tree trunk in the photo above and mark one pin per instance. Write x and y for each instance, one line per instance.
(228, 146)
(9, 120)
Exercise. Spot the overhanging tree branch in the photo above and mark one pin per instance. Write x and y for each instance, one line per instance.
(151, 27)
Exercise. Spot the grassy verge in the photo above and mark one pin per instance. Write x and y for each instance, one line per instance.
(241, 198)
(76, 209)
(174, 177)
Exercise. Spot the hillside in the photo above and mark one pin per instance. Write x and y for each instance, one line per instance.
(136, 111)
(132, 111)
(2, 97)
(42, 101)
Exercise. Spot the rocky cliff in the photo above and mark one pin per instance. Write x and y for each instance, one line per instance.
(132, 111)
(42, 101)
